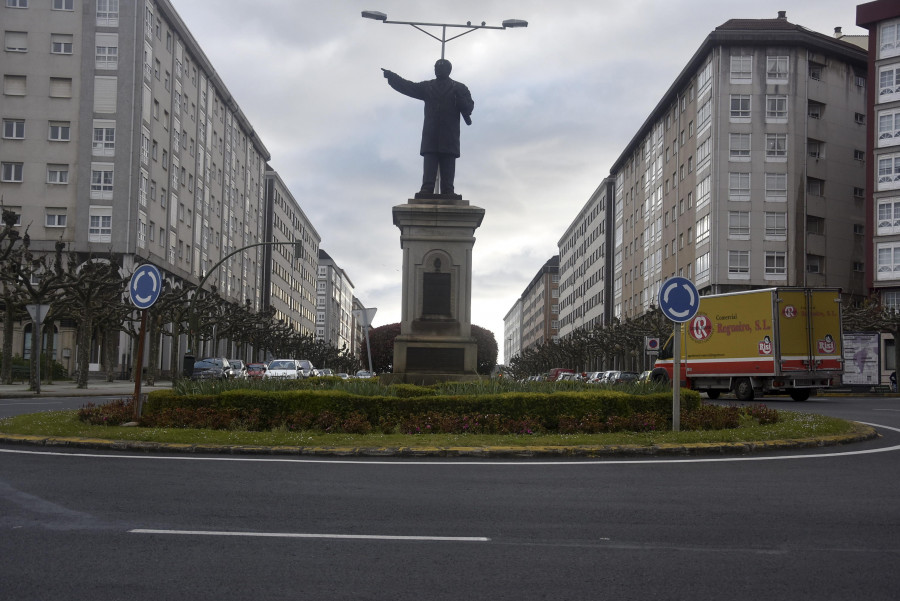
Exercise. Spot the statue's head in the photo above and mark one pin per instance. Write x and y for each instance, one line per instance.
(442, 69)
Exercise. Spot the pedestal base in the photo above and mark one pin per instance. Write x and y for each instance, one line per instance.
(448, 355)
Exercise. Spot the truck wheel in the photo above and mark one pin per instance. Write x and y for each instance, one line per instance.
(713, 394)
(659, 376)
(743, 390)
(800, 394)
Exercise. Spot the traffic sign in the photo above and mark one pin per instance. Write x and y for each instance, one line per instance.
(679, 299)
(145, 286)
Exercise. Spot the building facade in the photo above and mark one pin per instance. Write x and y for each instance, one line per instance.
(120, 139)
(750, 171)
(882, 187)
(512, 332)
(334, 304)
(540, 306)
(585, 298)
(289, 286)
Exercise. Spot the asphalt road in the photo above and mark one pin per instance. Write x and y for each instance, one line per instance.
(812, 524)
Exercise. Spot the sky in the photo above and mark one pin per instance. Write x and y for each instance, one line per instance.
(555, 105)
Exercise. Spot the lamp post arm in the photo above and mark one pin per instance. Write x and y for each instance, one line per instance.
(192, 315)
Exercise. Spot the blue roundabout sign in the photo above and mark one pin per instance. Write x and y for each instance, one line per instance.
(145, 286)
(679, 299)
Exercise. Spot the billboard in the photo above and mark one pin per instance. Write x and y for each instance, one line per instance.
(861, 359)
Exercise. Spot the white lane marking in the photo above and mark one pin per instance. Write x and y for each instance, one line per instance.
(457, 539)
(897, 410)
(431, 461)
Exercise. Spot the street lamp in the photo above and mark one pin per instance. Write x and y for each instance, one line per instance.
(507, 24)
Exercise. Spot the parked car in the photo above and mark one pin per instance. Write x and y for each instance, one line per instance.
(325, 371)
(307, 368)
(238, 369)
(645, 376)
(256, 370)
(289, 369)
(623, 377)
(364, 374)
(211, 368)
(343, 376)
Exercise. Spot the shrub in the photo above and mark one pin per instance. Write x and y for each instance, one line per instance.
(113, 413)
(711, 417)
(763, 414)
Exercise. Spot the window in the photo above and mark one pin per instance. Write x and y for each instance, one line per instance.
(889, 39)
(776, 225)
(60, 43)
(63, 4)
(776, 68)
(741, 69)
(145, 146)
(702, 230)
(701, 272)
(815, 225)
(16, 3)
(703, 192)
(55, 218)
(142, 231)
(888, 83)
(57, 174)
(739, 186)
(143, 188)
(859, 118)
(100, 224)
(776, 263)
(776, 187)
(16, 41)
(14, 85)
(11, 172)
(14, 129)
(859, 155)
(101, 180)
(815, 148)
(888, 221)
(889, 127)
(703, 151)
(739, 146)
(104, 141)
(738, 224)
(704, 115)
(740, 106)
(739, 262)
(815, 186)
(60, 131)
(60, 87)
(108, 13)
(776, 107)
(888, 172)
(815, 264)
(815, 71)
(815, 110)
(776, 146)
(106, 51)
(888, 267)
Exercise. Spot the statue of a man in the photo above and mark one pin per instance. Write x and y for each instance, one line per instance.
(445, 100)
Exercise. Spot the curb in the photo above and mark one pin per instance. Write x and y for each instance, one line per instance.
(861, 434)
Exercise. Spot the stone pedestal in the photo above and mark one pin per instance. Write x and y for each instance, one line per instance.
(435, 341)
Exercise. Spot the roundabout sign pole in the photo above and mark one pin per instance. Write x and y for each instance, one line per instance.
(144, 289)
(679, 301)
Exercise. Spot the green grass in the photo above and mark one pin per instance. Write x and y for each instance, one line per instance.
(65, 424)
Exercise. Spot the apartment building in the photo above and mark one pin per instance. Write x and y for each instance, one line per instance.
(334, 304)
(882, 19)
(749, 172)
(585, 252)
(540, 306)
(512, 331)
(119, 138)
(289, 286)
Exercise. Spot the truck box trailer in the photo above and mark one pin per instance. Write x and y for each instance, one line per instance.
(758, 342)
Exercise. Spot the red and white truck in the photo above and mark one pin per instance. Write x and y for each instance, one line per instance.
(758, 342)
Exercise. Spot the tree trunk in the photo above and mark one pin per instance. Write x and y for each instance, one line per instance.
(83, 352)
(154, 331)
(48, 352)
(33, 379)
(8, 323)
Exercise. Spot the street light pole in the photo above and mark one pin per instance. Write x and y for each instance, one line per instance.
(507, 24)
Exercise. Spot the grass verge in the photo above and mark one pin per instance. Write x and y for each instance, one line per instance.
(791, 425)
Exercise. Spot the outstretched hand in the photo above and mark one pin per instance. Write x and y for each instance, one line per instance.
(467, 119)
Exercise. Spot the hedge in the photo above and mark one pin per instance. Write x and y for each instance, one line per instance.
(547, 408)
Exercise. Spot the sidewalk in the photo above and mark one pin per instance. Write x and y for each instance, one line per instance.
(68, 388)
